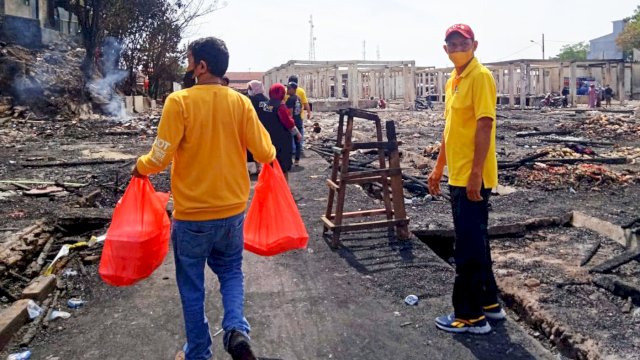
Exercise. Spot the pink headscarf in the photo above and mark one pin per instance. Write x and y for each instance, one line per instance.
(255, 87)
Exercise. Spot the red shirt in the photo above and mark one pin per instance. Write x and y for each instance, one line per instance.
(285, 117)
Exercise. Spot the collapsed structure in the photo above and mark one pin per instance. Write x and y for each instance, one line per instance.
(519, 82)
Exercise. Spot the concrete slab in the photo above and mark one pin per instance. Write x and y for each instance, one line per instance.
(614, 232)
(138, 104)
(128, 101)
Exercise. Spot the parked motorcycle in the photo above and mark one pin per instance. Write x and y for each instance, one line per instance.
(423, 103)
(552, 100)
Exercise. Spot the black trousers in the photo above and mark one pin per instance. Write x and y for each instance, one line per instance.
(475, 285)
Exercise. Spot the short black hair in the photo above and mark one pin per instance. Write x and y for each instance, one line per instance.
(293, 78)
(213, 52)
(225, 80)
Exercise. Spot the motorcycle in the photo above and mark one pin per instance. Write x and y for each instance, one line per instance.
(423, 103)
(553, 100)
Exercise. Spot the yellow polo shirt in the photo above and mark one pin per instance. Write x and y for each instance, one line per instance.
(469, 97)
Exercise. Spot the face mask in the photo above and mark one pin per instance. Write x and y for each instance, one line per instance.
(188, 80)
(461, 58)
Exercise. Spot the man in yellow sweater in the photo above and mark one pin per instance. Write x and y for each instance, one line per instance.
(206, 131)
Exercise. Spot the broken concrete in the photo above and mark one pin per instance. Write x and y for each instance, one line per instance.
(625, 237)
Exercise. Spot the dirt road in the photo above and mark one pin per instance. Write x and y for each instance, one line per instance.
(312, 304)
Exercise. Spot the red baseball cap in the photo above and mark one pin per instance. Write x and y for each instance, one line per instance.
(462, 29)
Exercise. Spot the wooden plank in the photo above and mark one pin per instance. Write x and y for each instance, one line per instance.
(370, 145)
(592, 251)
(369, 179)
(385, 181)
(617, 160)
(617, 261)
(541, 133)
(328, 224)
(333, 185)
(334, 170)
(397, 188)
(578, 141)
(75, 163)
(353, 112)
(12, 319)
(362, 213)
(618, 287)
(40, 288)
(380, 172)
(371, 225)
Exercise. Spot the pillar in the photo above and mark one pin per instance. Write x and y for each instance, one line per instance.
(387, 83)
(512, 86)
(441, 89)
(405, 83)
(412, 84)
(523, 85)
(353, 85)
(621, 88)
(572, 83)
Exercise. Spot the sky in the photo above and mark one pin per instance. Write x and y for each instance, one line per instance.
(263, 34)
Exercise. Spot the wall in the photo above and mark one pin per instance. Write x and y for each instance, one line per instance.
(605, 47)
(1, 13)
(18, 8)
(22, 31)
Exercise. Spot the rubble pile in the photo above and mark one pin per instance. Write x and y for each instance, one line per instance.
(577, 151)
(606, 126)
(589, 177)
(16, 130)
(49, 81)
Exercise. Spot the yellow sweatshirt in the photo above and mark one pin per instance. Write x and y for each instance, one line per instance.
(206, 130)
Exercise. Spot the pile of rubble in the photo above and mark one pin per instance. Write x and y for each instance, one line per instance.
(577, 151)
(603, 125)
(590, 177)
(48, 81)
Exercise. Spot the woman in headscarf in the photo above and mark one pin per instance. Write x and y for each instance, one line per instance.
(276, 119)
(255, 90)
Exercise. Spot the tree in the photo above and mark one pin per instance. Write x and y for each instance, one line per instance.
(571, 52)
(150, 32)
(629, 38)
(89, 13)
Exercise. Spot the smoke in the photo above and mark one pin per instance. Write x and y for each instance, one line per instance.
(103, 90)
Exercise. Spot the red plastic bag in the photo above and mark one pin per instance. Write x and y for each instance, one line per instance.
(273, 224)
(137, 240)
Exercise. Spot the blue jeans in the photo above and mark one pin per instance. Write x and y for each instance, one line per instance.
(298, 146)
(219, 244)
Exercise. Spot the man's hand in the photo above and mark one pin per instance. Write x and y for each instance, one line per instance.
(434, 181)
(473, 186)
(299, 137)
(135, 173)
(308, 115)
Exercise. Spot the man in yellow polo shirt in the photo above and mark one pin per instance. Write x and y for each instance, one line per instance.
(468, 151)
(205, 131)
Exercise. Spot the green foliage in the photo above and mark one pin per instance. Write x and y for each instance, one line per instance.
(570, 52)
(629, 38)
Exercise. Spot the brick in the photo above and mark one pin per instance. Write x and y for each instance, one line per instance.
(12, 319)
(40, 288)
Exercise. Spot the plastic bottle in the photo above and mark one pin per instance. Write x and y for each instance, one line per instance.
(25, 355)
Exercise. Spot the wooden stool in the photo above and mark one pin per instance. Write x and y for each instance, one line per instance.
(390, 178)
